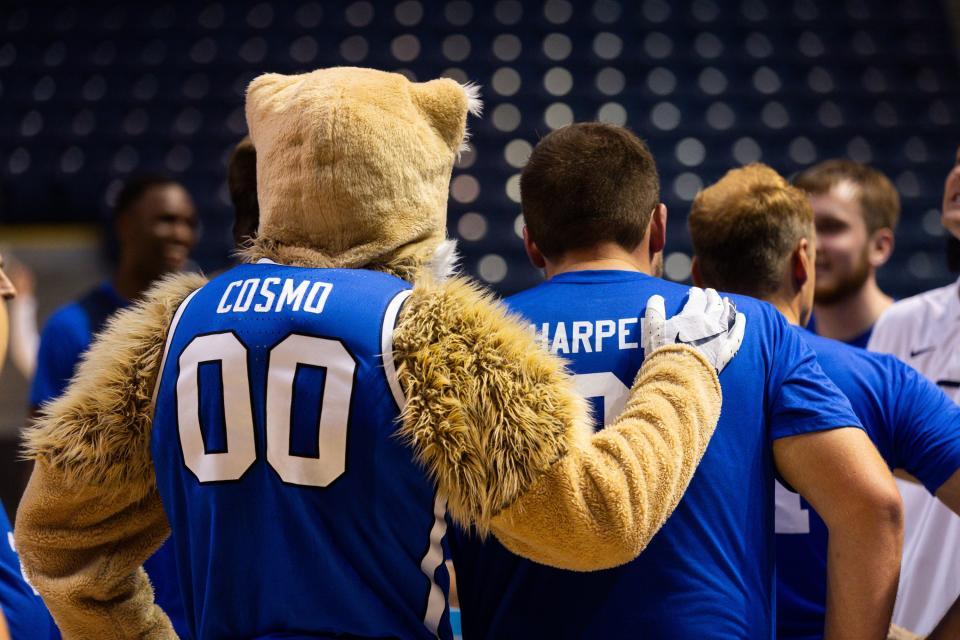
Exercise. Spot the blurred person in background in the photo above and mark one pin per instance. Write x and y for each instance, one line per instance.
(24, 334)
(156, 226)
(924, 332)
(856, 210)
(22, 612)
(911, 422)
(242, 183)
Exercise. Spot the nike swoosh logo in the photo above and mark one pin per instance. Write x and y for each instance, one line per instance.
(949, 384)
(914, 354)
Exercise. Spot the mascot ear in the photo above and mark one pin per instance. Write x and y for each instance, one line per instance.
(271, 92)
(445, 103)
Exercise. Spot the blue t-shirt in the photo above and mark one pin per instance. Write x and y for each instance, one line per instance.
(859, 341)
(295, 510)
(26, 615)
(709, 573)
(65, 338)
(913, 424)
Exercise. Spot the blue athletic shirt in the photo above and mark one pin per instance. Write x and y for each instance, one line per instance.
(913, 424)
(66, 336)
(859, 341)
(709, 573)
(64, 339)
(27, 616)
(296, 511)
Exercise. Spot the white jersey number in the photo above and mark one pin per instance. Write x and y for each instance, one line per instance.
(789, 516)
(241, 452)
(603, 385)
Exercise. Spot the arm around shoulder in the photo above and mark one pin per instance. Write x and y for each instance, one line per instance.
(91, 513)
(498, 424)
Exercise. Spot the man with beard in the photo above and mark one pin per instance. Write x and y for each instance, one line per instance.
(856, 209)
(924, 332)
(753, 212)
(156, 225)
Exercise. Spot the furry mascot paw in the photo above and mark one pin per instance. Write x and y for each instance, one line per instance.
(353, 171)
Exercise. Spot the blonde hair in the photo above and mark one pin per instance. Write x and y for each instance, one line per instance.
(744, 228)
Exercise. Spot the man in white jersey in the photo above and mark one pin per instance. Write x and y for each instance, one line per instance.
(924, 332)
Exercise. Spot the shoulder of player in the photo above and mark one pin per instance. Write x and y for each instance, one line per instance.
(67, 324)
(843, 362)
(923, 306)
(762, 317)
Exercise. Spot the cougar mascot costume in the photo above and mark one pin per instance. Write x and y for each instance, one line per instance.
(353, 172)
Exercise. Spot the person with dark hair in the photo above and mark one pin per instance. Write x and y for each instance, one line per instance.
(856, 209)
(754, 213)
(156, 226)
(595, 224)
(242, 182)
(924, 332)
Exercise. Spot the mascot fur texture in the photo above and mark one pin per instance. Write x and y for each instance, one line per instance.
(353, 171)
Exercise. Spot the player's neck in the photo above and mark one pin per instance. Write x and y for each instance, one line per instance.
(606, 257)
(851, 317)
(789, 307)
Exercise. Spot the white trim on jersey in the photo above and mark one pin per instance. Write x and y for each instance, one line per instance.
(432, 559)
(386, 346)
(924, 332)
(166, 348)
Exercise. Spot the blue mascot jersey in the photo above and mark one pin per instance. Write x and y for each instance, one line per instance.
(295, 510)
(26, 615)
(914, 425)
(709, 573)
(65, 338)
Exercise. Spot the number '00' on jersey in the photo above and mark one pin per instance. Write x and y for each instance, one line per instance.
(293, 506)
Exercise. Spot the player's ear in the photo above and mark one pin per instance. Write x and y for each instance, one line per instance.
(658, 229)
(880, 247)
(533, 252)
(801, 263)
(695, 273)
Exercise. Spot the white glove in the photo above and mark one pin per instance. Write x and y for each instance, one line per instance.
(707, 322)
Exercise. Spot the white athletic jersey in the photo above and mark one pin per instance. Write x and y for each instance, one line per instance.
(924, 332)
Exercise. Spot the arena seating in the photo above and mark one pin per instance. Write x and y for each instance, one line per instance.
(89, 95)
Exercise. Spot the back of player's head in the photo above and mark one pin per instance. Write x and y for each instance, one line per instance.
(876, 195)
(134, 189)
(745, 227)
(242, 182)
(586, 184)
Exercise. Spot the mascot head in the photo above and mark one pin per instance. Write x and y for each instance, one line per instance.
(354, 166)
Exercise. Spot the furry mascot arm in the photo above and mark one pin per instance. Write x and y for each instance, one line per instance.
(91, 513)
(496, 421)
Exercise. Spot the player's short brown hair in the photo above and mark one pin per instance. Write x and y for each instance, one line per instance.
(876, 195)
(744, 228)
(588, 183)
(242, 183)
